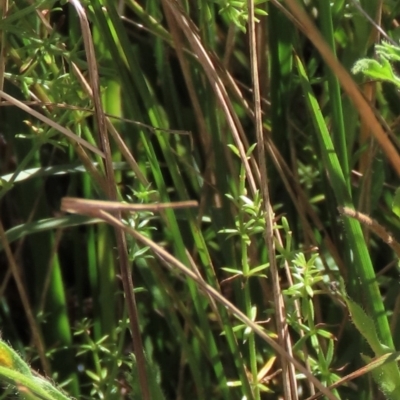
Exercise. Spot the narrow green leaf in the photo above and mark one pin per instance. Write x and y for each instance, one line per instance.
(396, 202)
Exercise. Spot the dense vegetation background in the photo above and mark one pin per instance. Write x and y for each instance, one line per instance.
(254, 112)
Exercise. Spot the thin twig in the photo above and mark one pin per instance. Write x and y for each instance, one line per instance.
(72, 204)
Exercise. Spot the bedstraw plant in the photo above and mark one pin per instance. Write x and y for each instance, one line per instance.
(199, 199)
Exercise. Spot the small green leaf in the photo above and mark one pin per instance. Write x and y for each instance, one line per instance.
(260, 12)
(256, 270)
(232, 271)
(251, 149)
(234, 149)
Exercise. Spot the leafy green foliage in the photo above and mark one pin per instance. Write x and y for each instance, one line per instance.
(177, 90)
(15, 371)
(236, 12)
(387, 376)
(382, 68)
